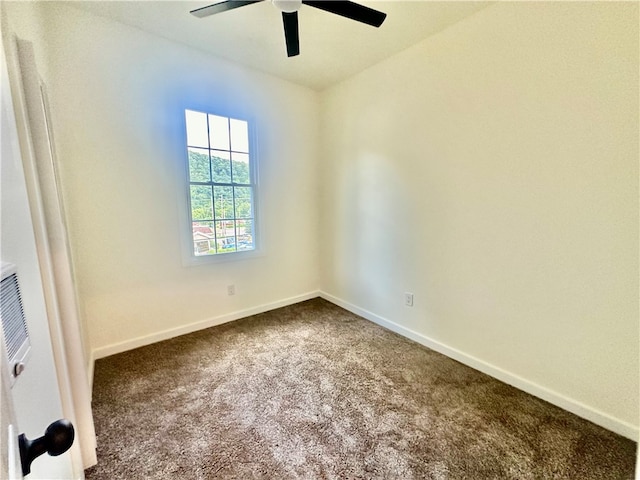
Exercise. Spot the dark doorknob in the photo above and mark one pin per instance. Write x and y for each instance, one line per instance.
(56, 440)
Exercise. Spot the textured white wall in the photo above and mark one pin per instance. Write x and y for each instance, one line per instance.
(492, 170)
(117, 99)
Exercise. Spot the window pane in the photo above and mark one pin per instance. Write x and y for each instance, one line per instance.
(223, 200)
(221, 166)
(196, 129)
(225, 228)
(219, 132)
(244, 234)
(199, 165)
(241, 168)
(243, 202)
(239, 135)
(201, 203)
(203, 238)
(225, 232)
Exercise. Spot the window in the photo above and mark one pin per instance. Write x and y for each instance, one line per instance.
(221, 184)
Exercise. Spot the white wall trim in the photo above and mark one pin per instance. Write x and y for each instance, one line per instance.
(193, 327)
(571, 405)
(90, 370)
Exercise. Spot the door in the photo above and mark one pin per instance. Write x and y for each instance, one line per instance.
(55, 259)
(35, 396)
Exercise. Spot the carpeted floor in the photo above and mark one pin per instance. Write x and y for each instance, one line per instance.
(312, 391)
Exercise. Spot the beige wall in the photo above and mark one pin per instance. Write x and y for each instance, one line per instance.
(492, 170)
(118, 97)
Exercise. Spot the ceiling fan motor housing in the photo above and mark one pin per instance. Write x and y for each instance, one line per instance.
(287, 6)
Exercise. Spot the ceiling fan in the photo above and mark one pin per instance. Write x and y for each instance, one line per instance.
(289, 9)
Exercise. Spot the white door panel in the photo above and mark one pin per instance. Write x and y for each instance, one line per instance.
(35, 395)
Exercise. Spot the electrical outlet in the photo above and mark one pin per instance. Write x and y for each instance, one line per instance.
(408, 299)
(231, 289)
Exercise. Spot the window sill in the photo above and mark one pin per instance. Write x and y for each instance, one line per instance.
(194, 261)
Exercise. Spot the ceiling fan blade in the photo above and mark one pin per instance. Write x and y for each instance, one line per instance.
(291, 36)
(221, 7)
(351, 10)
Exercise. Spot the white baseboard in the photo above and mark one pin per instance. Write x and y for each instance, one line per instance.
(193, 327)
(578, 408)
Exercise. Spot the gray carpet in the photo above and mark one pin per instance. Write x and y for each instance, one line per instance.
(312, 391)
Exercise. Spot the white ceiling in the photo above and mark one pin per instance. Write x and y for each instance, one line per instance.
(332, 48)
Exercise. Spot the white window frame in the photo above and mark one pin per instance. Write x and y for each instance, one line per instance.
(189, 258)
